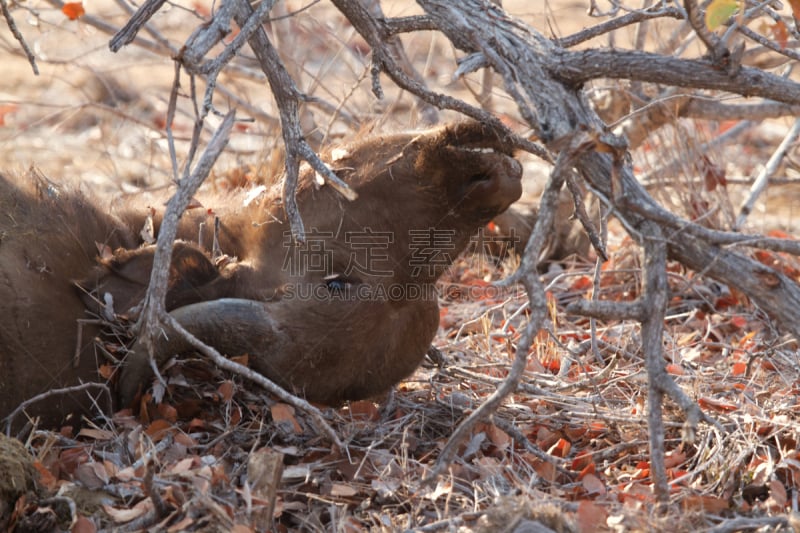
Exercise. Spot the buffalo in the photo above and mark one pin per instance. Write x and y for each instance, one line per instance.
(343, 315)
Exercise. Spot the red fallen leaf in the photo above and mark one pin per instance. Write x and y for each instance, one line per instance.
(581, 461)
(716, 405)
(364, 410)
(225, 390)
(581, 284)
(725, 125)
(218, 476)
(243, 360)
(591, 517)
(106, 371)
(545, 470)
(6, 109)
(552, 364)
(194, 203)
(498, 437)
(739, 369)
(83, 525)
(282, 412)
(590, 469)
(768, 365)
(778, 234)
(593, 485)
(575, 432)
(546, 438)
(71, 458)
(46, 479)
(739, 321)
(167, 412)
(560, 448)
(778, 493)
(795, 9)
(674, 459)
(677, 473)
(708, 504)
(596, 429)
(765, 257)
(73, 10)
(726, 301)
(201, 9)
(159, 429)
(675, 370)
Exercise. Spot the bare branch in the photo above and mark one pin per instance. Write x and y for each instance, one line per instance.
(18, 36)
(714, 45)
(769, 169)
(616, 23)
(374, 34)
(9, 420)
(527, 274)
(287, 96)
(153, 312)
(429, 113)
(654, 299)
(128, 32)
(408, 24)
(576, 68)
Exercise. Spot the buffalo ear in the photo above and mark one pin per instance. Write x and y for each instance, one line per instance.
(119, 284)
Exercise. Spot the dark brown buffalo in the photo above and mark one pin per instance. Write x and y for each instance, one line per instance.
(343, 316)
(47, 239)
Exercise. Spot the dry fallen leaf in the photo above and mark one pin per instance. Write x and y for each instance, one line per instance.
(282, 412)
(73, 10)
(126, 515)
(592, 484)
(591, 517)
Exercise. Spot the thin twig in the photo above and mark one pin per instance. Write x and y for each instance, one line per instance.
(18, 36)
(268, 385)
(153, 311)
(55, 393)
(287, 96)
(763, 177)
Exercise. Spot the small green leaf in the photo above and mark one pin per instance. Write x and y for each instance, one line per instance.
(719, 11)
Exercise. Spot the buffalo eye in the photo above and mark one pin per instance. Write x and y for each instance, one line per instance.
(339, 282)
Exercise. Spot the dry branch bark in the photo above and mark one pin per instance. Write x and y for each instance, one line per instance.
(545, 80)
(545, 83)
(287, 96)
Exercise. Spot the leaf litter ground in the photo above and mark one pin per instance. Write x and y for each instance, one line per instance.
(568, 449)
